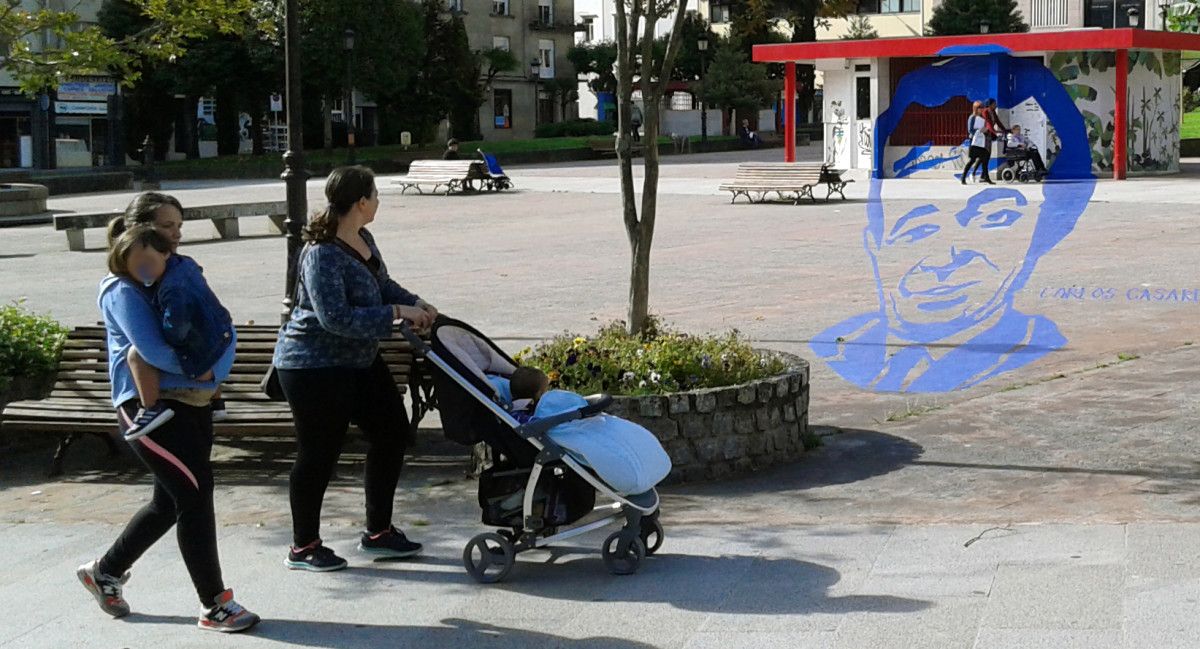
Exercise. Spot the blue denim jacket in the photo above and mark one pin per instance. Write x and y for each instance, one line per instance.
(342, 310)
(193, 320)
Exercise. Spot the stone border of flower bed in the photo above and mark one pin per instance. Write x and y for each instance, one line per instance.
(719, 432)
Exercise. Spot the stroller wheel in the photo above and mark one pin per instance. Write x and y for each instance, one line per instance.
(623, 563)
(651, 534)
(489, 558)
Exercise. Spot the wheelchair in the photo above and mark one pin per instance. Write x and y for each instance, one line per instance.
(1017, 165)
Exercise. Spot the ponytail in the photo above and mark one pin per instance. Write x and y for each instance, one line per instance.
(346, 187)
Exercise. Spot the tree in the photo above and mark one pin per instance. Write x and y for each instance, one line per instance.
(598, 62)
(804, 16)
(1184, 17)
(734, 83)
(965, 17)
(860, 28)
(636, 56)
(690, 62)
(66, 47)
(565, 90)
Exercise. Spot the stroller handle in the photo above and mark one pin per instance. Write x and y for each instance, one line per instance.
(413, 339)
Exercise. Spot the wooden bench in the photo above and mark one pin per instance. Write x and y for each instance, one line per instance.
(81, 401)
(224, 217)
(779, 178)
(454, 175)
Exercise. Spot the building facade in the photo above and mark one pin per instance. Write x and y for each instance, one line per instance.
(77, 125)
(540, 31)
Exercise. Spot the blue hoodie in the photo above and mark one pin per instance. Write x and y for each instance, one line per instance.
(132, 321)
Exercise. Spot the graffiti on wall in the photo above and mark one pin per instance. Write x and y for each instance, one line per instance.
(946, 273)
(835, 151)
(865, 146)
(1089, 79)
(1154, 111)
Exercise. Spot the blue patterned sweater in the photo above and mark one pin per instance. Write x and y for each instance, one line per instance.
(342, 310)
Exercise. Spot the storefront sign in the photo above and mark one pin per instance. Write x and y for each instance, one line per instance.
(89, 89)
(80, 108)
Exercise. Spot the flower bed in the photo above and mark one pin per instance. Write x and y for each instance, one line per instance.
(718, 405)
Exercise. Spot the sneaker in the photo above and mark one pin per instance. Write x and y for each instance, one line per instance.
(227, 616)
(147, 420)
(105, 588)
(314, 557)
(218, 410)
(390, 543)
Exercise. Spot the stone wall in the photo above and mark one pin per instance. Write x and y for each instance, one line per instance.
(714, 433)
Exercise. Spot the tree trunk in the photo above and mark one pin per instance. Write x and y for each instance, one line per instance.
(193, 127)
(804, 30)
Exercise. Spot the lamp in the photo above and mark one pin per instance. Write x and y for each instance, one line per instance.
(348, 42)
(535, 68)
(348, 46)
(984, 26)
(702, 45)
(1135, 17)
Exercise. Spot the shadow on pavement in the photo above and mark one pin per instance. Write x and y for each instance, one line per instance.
(456, 633)
(725, 584)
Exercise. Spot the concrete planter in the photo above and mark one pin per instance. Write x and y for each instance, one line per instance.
(719, 432)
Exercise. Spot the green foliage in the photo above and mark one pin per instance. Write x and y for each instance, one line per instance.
(690, 62)
(30, 344)
(596, 59)
(575, 128)
(657, 361)
(860, 29)
(965, 16)
(1191, 100)
(733, 82)
(1184, 17)
(73, 48)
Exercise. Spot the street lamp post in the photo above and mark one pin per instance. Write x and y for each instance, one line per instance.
(535, 71)
(294, 175)
(984, 26)
(702, 46)
(348, 46)
(1164, 6)
(1135, 17)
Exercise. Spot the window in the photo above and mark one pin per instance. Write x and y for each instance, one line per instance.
(888, 6)
(502, 108)
(455, 6)
(589, 29)
(862, 97)
(718, 13)
(1110, 13)
(546, 52)
(1049, 13)
(546, 12)
(500, 7)
(501, 43)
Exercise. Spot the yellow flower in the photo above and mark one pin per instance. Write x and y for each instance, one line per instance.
(553, 375)
(579, 342)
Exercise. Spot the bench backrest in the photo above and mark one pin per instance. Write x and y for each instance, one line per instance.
(455, 168)
(194, 213)
(83, 370)
(778, 173)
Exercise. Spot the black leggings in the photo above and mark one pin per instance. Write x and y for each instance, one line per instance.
(177, 454)
(979, 157)
(324, 403)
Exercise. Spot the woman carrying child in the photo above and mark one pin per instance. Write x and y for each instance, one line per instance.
(177, 451)
(332, 374)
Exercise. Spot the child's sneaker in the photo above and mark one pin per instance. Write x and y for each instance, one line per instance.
(227, 616)
(218, 410)
(105, 588)
(390, 543)
(147, 420)
(314, 557)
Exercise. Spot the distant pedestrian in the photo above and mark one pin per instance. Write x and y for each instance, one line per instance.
(978, 154)
(636, 122)
(451, 150)
(747, 136)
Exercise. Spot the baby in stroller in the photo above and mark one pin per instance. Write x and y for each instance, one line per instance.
(552, 453)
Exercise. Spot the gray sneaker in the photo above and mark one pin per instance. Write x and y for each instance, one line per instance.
(227, 616)
(105, 588)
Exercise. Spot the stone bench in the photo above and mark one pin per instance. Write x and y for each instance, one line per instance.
(224, 217)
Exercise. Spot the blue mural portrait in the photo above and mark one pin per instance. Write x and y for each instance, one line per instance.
(946, 273)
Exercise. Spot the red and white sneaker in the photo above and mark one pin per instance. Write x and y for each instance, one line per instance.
(105, 588)
(227, 616)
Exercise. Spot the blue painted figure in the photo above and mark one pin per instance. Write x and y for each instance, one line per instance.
(946, 274)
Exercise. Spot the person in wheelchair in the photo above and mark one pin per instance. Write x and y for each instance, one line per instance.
(1019, 148)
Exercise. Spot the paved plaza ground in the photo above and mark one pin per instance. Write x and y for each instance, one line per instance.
(1053, 506)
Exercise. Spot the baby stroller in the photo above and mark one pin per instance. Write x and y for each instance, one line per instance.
(495, 179)
(535, 491)
(1017, 164)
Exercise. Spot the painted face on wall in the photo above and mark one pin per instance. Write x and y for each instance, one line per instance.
(944, 267)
